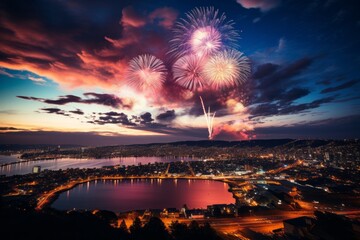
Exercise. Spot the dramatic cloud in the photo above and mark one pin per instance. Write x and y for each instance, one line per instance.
(5, 129)
(237, 129)
(166, 116)
(273, 80)
(77, 50)
(5, 73)
(109, 100)
(130, 18)
(142, 122)
(293, 94)
(276, 88)
(37, 80)
(265, 109)
(146, 118)
(305, 106)
(164, 17)
(55, 111)
(332, 128)
(113, 118)
(263, 5)
(340, 87)
(77, 111)
(265, 70)
(61, 101)
(271, 109)
(123, 119)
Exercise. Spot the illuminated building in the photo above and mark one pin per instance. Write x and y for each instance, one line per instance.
(36, 169)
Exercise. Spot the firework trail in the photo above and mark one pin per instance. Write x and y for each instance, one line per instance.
(187, 72)
(227, 69)
(209, 119)
(202, 32)
(146, 72)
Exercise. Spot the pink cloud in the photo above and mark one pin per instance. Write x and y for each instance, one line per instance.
(263, 5)
(61, 57)
(164, 16)
(130, 18)
(237, 129)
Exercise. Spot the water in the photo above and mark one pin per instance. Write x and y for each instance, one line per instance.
(9, 158)
(126, 195)
(64, 163)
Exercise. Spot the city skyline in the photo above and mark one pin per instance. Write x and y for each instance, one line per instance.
(63, 68)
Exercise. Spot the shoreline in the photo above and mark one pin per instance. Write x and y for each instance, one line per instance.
(46, 159)
(87, 158)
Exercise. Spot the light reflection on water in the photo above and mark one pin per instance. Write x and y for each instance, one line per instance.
(136, 194)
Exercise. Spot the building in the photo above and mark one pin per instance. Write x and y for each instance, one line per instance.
(222, 210)
(196, 213)
(327, 156)
(170, 213)
(36, 169)
(326, 225)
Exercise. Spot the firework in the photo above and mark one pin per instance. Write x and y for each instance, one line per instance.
(205, 41)
(187, 72)
(202, 32)
(146, 72)
(209, 119)
(226, 68)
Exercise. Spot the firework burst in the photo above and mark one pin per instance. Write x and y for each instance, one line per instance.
(188, 72)
(205, 41)
(146, 72)
(202, 32)
(226, 69)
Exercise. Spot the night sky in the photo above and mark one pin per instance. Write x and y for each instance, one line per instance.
(63, 72)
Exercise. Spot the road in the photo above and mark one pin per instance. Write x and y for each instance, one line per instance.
(265, 222)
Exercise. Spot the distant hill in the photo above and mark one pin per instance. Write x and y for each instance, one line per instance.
(19, 147)
(266, 143)
(262, 143)
(201, 149)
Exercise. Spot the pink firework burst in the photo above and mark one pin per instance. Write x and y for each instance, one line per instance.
(187, 72)
(146, 72)
(202, 32)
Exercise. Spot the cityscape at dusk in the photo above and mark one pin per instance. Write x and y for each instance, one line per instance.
(180, 120)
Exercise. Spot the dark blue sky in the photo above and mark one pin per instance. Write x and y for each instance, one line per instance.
(62, 69)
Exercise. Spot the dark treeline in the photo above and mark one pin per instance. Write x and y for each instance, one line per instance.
(58, 225)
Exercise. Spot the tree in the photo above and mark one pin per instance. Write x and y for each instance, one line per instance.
(155, 230)
(123, 230)
(179, 231)
(194, 230)
(136, 229)
(107, 216)
(208, 233)
(123, 226)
